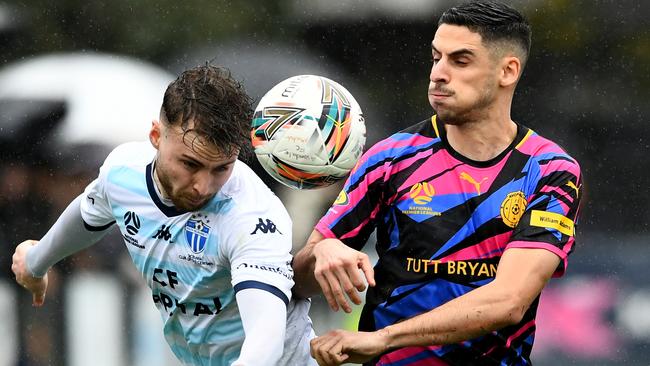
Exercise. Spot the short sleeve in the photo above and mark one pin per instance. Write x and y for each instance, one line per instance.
(550, 218)
(351, 218)
(258, 248)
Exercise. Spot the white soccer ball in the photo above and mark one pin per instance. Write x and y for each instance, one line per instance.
(308, 132)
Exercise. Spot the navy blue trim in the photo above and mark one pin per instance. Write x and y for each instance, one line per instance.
(97, 228)
(262, 286)
(169, 211)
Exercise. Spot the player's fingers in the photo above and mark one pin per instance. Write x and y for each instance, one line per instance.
(316, 349)
(39, 291)
(368, 271)
(38, 299)
(326, 355)
(347, 279)
(337, 294)
(337, 282)
(357, 277)
(324, 284)
(336, 352)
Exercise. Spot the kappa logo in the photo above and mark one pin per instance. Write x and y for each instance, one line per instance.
(164, 233)
(265, 227)
(422, 192)
(131, 222)
(197, 232)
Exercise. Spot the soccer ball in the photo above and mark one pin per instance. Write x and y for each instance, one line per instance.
(308, 132)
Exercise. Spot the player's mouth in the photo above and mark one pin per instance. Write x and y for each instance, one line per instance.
(440, 94)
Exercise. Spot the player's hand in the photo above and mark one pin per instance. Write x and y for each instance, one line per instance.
(340, 346)
(37, 286)
(340, 270)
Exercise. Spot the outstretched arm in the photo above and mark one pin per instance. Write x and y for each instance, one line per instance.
(32, 259)
(333, 267)
(264, 317)
(520, 278)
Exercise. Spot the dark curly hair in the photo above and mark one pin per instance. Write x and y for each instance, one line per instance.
(217, 104)
(494, 21)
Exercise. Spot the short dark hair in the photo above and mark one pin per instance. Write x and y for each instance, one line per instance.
(494, 21)
(215, 102)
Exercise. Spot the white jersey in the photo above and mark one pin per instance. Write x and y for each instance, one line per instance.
(195, 262)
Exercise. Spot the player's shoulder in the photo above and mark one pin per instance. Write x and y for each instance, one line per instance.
(250, 203)
(544, 150)
(247, 190)
(130, 153)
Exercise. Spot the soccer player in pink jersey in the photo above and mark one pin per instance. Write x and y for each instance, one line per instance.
(474, 213)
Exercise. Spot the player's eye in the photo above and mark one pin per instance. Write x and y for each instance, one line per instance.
(189, 164)
(222, 168)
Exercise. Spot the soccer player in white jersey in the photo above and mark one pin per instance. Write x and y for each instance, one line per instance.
(210, 239)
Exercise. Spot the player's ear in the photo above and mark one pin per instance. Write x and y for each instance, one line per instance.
(155, 134)
(510, 71)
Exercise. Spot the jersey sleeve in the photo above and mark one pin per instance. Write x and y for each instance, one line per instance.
(95, 206)
(258, 248)
(549, 220)
(351, 218)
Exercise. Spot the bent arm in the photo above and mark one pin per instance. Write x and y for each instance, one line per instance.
(335, 268)
(68, 235)
(264, 317)
(520, 278)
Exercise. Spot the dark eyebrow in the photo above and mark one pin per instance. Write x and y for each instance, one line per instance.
(232, 161)
(198, 163)
(457, 53)
(187, 157)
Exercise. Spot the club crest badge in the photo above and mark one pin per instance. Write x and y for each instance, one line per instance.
(197, 231)
(513, 207)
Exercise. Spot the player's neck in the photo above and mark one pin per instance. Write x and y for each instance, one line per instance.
(159, 186)
(482, 140)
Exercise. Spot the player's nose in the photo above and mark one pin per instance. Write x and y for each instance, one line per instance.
(203, 185)
(439, 73)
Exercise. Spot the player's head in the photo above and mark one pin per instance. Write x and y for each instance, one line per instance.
(479, 51)
(203, 127)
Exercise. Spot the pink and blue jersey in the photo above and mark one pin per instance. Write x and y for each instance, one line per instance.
(443, 221)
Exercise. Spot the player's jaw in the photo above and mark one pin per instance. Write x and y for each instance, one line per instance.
(439, 95)
(189, 203)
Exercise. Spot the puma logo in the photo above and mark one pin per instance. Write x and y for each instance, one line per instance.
(573, 186)
(472, 181)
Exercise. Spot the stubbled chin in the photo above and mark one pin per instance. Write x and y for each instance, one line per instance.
(185, 205)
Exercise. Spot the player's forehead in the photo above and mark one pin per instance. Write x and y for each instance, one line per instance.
(192, 145)
(452, 38)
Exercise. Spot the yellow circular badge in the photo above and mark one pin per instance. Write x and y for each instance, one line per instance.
(422, 192)
(513, 207)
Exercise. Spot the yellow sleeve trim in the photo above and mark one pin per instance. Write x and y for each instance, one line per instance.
(552, 220)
